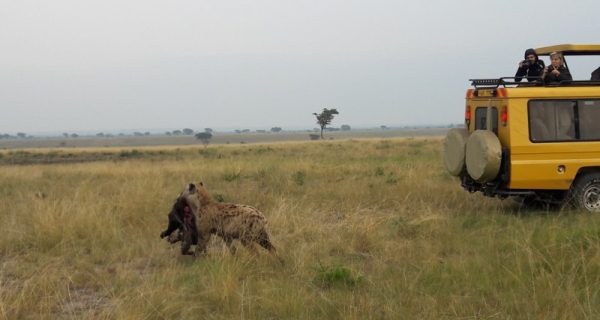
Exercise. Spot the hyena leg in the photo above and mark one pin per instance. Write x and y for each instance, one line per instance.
(202, 243)
(230, 246)
(249, 244)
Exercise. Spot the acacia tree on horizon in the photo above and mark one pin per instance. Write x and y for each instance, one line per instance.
(325, 117)
(204, 137)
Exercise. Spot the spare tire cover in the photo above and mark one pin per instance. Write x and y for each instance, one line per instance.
(454, 151)
(484, 155)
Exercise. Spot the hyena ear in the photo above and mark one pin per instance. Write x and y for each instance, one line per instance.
(201, 184)
(192, 187)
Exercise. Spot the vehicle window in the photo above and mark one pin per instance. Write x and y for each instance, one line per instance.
(481, 119)
(552, 121)
(589, 118)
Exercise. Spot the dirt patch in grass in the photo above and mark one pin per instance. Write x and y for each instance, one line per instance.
(84, 301)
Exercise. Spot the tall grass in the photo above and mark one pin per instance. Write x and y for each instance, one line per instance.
(368, 229)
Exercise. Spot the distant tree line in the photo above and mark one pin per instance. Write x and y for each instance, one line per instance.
(19, 135)
(186, 132)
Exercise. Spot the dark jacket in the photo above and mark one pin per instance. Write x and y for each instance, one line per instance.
(533, 71)
(564, 75)
(596, 75)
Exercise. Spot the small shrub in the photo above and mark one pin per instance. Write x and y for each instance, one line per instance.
(391, 178)
(379, 171)
(314, 136)
(299, 177)
(231, 176)
(219, 197)
(336, 276)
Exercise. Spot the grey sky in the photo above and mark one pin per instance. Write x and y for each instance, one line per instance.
(115, 65)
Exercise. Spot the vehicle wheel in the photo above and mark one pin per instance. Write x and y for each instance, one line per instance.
(585, 192)
(455, 146)
(484, 155)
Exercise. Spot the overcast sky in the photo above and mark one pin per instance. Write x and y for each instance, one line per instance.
(77, 65)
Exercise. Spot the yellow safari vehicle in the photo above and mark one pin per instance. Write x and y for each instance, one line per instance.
(530, 139)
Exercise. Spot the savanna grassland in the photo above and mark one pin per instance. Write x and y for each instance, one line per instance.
(369, 229)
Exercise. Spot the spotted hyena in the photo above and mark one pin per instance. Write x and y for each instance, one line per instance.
(229, 221)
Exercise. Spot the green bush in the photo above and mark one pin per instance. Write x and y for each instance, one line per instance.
(299, 177)
(336, 276)
(219, 197)
(391, 178)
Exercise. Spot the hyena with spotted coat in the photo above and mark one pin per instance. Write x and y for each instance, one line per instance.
(229, 221)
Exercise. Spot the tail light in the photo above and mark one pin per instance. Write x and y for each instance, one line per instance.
(470, 93)
(504, 116)
(468, 116)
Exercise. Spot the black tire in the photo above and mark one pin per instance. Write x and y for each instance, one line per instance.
(585, 192)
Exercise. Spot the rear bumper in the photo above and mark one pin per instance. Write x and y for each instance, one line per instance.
(492, 189)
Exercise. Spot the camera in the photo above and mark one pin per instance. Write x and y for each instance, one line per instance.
(525, 64)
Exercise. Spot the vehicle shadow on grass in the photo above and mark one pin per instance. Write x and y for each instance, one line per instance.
(540, 207)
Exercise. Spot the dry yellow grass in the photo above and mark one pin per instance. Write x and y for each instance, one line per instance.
(368, 229)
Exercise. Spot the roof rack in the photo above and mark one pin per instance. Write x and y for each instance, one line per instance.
(505, 81)
(495, 83)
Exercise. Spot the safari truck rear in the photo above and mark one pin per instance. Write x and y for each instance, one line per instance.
(532, 140)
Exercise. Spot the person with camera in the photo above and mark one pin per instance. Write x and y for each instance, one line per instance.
(556, 71)
(532, 67)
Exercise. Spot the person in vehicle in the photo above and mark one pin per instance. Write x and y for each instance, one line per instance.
(556, 71)
(596, 75)
(532, 67)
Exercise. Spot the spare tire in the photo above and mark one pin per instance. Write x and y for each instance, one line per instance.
(454, 151)
(484, 155)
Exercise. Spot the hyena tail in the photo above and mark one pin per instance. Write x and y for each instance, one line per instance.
(265, 242)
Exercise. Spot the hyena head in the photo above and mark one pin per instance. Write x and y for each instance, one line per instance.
(196, 196)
